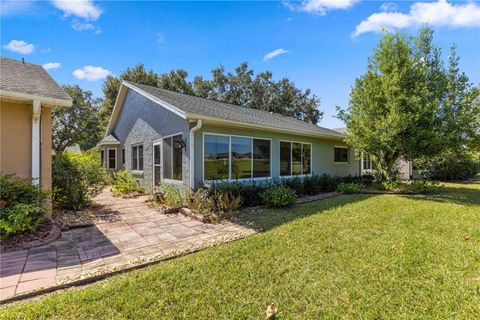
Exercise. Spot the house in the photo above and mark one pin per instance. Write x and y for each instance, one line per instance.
(168, 137)
(27, 96)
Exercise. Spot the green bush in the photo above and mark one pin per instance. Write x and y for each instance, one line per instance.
(449, 166)
(170, 195)
(124, 183)
(414, 186)
(249, 193)
(295, 184)
(348, 188)
(21, 205)
(279, 196)
(221, 205)
(76, 178)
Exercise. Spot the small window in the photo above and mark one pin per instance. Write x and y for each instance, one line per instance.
(123, 157)
(341, 155)
(102, 157)
(216, 157)
(112, 158)
(367, 162)
(137, 157)
(295, 158)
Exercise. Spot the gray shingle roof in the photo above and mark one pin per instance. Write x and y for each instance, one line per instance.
(108, 140)
(29, 78)
(225, 111)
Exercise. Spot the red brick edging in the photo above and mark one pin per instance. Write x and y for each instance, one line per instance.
(53, 235)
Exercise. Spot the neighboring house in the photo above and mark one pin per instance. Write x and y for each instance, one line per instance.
(27, 96)
(164, 136)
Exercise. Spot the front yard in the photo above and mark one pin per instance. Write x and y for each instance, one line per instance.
(357, 256)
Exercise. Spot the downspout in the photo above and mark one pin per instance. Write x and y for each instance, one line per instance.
(192, 152)
(36, 133)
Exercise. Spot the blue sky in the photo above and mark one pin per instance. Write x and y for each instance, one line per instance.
(320, 44)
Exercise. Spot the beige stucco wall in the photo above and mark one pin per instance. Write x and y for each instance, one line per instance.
(16, 140)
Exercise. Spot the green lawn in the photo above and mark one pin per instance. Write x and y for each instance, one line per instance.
(351, 257)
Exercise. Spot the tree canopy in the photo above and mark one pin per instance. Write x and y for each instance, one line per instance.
(241, 87)
(79, 124)
(409, 104)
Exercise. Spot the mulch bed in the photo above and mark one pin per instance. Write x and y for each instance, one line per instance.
(47, 232)
(68, 219)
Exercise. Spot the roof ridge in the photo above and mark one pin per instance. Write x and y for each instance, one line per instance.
(270, 113)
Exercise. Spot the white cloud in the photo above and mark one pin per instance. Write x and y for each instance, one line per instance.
(85, 9)
(440, 13)
(91, 73)
(11, 7)
(51, 65)
(20, 46)
(389, 6)
(274, 53)
(321, 7)
(84, 26)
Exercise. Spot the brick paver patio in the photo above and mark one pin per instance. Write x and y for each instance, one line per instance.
(141, 232)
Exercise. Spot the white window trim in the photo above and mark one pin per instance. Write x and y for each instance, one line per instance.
(138, 157)
(348, 155)
(174, 181)
(229, 179)
(371, 165)
(108, 158)
(157, 142)
(291, 162)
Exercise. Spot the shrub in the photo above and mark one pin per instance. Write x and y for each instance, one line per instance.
(414, 186)
(20, 217)
(76, 178)
(353, 187)
(295, 184)
(21, 205)
(279, 196)
(449, 166)
(124, 183)
(221, 205)
(248, 193)
(170, 195)
(313, 185)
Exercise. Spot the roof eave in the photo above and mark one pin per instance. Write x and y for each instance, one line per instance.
(31, 97)
(213, 120)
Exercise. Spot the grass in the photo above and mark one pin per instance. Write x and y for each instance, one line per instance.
(350, 257)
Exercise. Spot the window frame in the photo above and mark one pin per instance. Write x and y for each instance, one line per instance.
(171, 157)
(229, 179)
(291, 161)
(102, 157)
(370, 161)
(108, 158)
(137, 145)
(123, 157)
(348, 155)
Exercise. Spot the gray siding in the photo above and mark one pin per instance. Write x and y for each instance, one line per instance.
(322, 151)
(143, 121)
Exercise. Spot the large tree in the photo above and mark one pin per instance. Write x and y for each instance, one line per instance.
(241, 87)
(79, 124)
(405, 106)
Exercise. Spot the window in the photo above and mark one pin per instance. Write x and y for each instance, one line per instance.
(123, 157)
(157, 166)
(295, 158)
(112, 158)
(102, 157)
(235, 157)
(341, 154)
(367, 162)
(137, 157)
(216, 157)
(172, 157)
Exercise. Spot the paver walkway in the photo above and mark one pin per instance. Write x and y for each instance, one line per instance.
(140, 232)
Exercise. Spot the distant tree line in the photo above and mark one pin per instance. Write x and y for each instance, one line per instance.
(84, 123)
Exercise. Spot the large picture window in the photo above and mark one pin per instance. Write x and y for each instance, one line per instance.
(235, 157)
(295, 158)
(137, 157)
(341, 155)
(172, 157)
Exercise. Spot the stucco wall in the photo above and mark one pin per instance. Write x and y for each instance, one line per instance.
(143, 121)
(322, 151)
(16, 140)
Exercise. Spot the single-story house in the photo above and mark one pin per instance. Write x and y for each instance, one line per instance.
(27, 96)
(168, 137)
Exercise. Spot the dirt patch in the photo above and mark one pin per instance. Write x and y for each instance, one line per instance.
(46, 232)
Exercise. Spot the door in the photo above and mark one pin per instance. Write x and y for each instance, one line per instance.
(157, 163)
